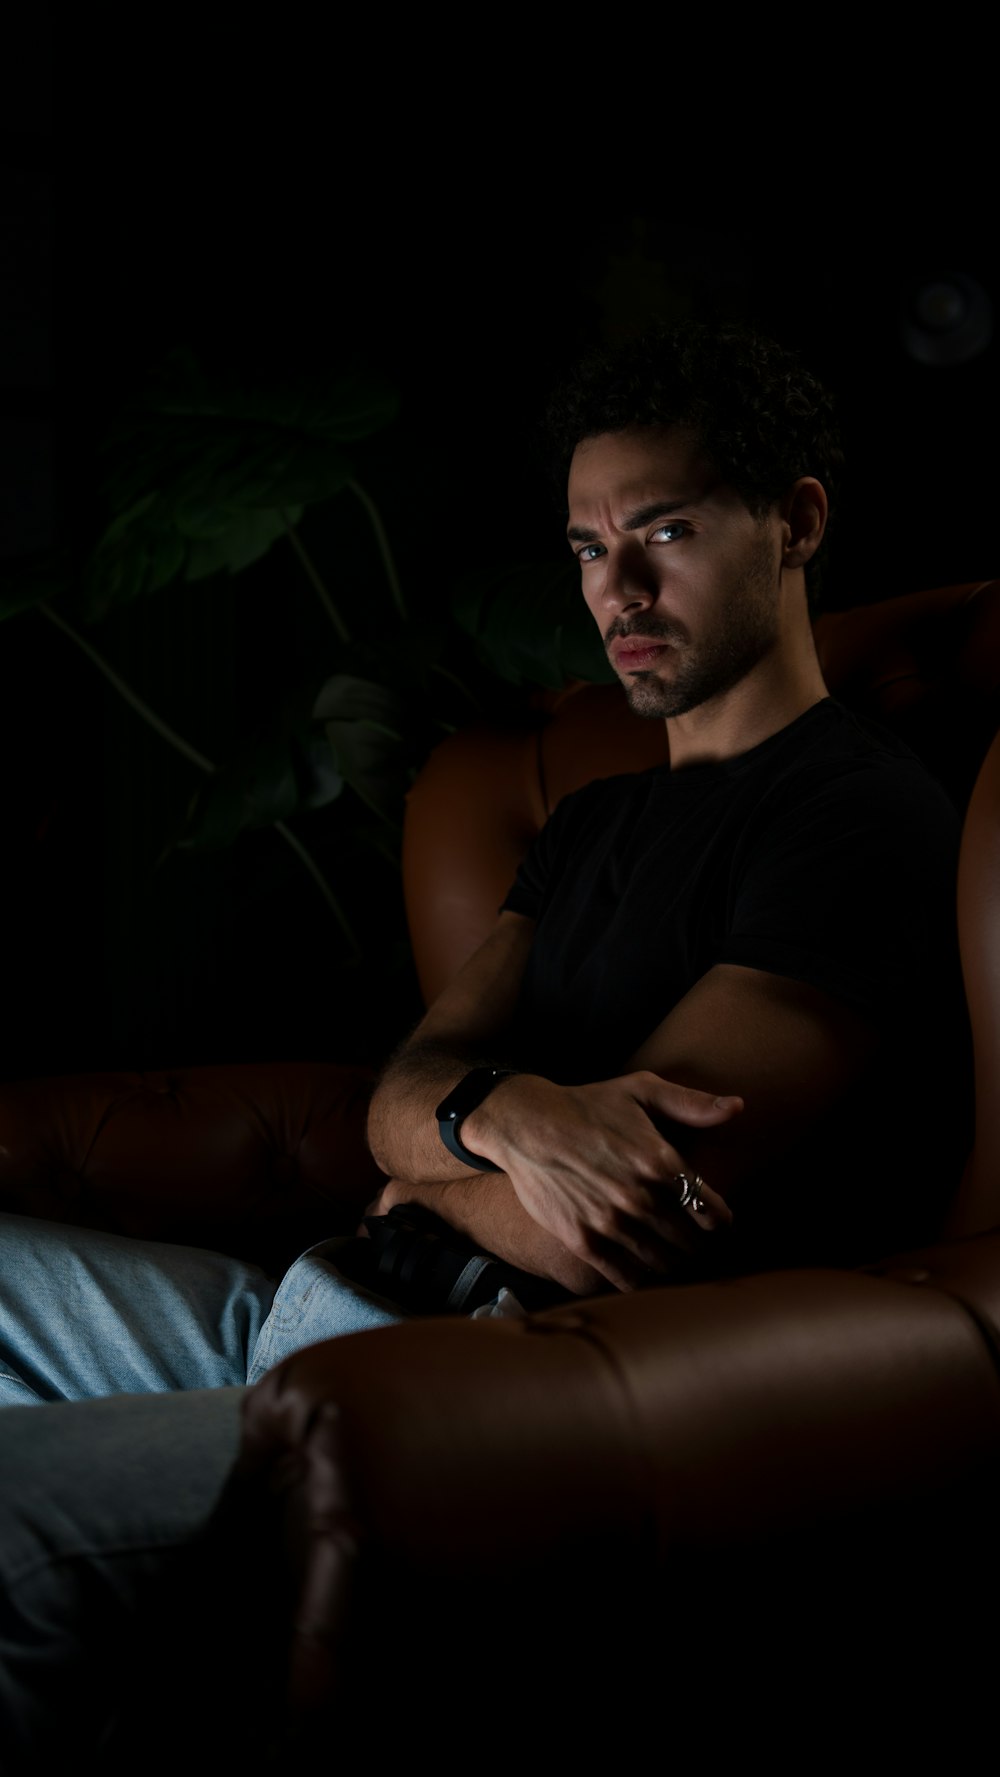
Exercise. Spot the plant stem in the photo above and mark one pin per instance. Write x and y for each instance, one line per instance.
(191, 753)
(453, 679)
(315, 579)
(131, 698)
(383, 546)
(310, 864)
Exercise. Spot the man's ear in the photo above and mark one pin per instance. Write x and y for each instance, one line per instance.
(804, 512)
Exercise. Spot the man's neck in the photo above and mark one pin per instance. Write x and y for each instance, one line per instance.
(776, 693)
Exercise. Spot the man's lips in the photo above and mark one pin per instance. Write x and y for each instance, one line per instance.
(635, 654)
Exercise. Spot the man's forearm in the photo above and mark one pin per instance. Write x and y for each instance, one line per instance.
(590, 1168)
(585, 1170)
(404, 1138)
(485, 1207)
(467, 1025)
(402, 1128)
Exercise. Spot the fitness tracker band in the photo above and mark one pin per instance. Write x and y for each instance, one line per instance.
(460, 1102)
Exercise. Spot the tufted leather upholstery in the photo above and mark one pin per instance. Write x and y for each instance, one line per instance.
(789, 1480)
(255, 1160)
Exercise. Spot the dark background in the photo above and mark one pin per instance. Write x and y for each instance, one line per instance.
(207, 200)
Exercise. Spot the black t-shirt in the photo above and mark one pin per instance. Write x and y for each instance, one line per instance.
(826, 854)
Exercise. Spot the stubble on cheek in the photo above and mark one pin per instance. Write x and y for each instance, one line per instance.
(699, 671)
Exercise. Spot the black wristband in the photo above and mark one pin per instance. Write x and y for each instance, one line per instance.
(460, 1103)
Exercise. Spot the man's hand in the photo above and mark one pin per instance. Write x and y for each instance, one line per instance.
(590, 1190)
(591, 1166)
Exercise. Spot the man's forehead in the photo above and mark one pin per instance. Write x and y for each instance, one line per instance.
(633, 468)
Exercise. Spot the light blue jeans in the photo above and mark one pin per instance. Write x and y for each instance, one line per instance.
(85, 1314)
(99, 1501)
(123, 1368)
(99, 1496)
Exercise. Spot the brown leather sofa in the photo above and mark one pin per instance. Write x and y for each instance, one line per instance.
(749, 1517)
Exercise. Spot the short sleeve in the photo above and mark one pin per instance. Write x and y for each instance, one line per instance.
(845, 889)
(540, 866)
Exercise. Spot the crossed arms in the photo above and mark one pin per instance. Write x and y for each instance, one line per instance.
(587, 1194)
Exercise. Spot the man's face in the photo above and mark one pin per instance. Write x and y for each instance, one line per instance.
(683, 582)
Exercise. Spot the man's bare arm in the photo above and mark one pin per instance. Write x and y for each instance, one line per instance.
(596, 1166)
(469, 1024)
(486, 1207)
(793, 1051)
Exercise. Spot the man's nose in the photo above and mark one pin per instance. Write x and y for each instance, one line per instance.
(629, 583)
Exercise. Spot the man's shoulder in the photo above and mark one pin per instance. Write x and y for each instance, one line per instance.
(832, 732)
(601, 797)
(845, 757)
(830, 758)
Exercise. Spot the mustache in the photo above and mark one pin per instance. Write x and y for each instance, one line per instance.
(656, 629)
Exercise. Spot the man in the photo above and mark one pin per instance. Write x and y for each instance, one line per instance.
(772, 914)
(740, 966)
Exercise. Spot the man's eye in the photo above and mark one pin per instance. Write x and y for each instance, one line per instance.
(670, 532)
(590, 552)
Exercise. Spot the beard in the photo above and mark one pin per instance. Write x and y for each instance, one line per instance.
(713, 666)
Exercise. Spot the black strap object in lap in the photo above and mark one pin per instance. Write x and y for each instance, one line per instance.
(415, 1259)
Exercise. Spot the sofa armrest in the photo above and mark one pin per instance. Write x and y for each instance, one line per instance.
(529, 1521)
(257, 1160)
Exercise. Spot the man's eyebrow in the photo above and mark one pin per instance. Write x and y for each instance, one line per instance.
(634, 520)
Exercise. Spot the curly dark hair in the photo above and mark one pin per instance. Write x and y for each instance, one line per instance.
(756, 412)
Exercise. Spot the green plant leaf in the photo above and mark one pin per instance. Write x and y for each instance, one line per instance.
(316, 772)
(246, 536)
(365, 724)
(531, 626)
(201, 468)
(346, 402)
(272, 780)
(250, 438)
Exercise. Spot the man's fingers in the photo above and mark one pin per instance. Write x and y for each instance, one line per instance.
(686, 1104)
(699, 1201)
(641, 1259)
(627, 1271)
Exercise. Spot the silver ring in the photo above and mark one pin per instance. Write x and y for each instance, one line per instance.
(691, 1197)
